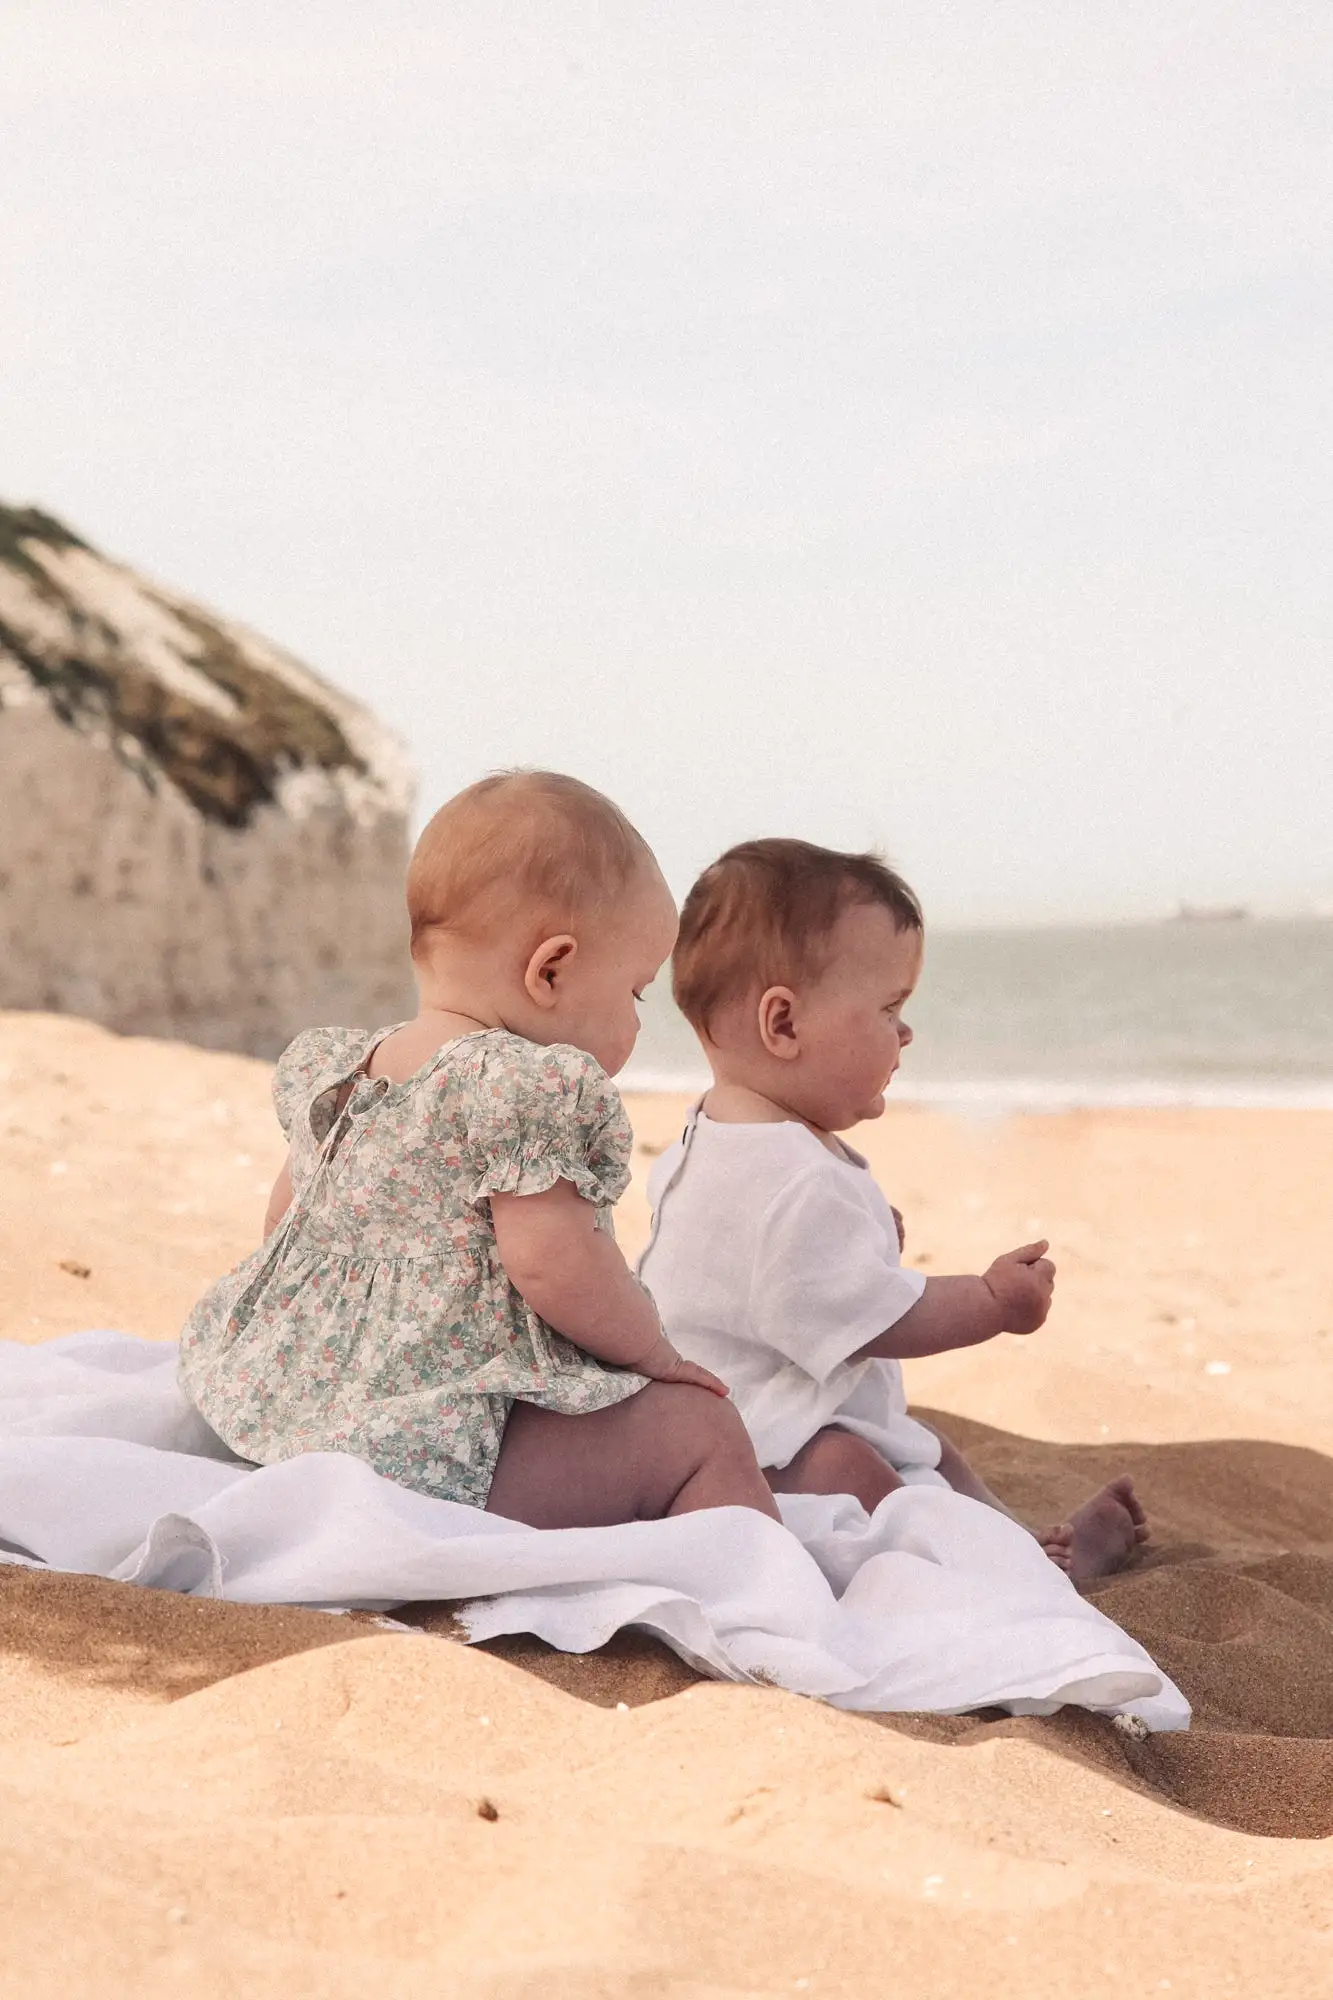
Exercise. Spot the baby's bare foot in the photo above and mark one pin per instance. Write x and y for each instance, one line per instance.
(1101, 1535)
(1058, 1543)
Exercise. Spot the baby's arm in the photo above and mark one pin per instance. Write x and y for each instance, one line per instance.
(280, 1200)
(1013, 1296)
(573, 1276)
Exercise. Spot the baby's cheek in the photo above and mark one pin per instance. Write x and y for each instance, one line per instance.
(877, 1040)
(624, 1037)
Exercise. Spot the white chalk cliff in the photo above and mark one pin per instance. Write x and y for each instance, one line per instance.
(199, 838)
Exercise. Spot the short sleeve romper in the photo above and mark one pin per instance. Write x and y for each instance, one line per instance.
(378, 1319)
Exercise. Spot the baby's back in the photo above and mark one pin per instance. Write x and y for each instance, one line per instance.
(378, 1317)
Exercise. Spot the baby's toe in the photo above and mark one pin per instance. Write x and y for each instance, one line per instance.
(1122, 1489)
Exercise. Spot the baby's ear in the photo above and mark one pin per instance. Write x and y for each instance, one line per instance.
(550, 960)
(777, 1023)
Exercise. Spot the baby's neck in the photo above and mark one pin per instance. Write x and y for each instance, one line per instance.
(401, 1054)
(731, 1102)
(459, 991)
(459, 980)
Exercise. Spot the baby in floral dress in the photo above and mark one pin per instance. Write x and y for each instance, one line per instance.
(439, 1291)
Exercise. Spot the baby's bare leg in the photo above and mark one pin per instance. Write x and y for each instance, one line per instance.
(670, 1449)
(963, 1479)
(835, 1461)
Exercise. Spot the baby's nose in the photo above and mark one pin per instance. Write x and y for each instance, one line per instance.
(904, 1035)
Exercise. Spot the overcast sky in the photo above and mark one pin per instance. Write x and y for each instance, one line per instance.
(907, 423)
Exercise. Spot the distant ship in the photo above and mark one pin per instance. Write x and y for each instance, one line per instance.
(1210, 913)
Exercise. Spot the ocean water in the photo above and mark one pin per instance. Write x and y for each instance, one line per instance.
(1206, 1012)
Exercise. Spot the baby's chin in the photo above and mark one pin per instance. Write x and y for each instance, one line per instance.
(874, 1107)
(879, 1103)
(842, 1117)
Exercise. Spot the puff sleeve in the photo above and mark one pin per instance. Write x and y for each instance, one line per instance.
(537, 1115)
(317, 1058)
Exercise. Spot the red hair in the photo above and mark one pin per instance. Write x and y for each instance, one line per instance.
(763, 916)
(519, 839)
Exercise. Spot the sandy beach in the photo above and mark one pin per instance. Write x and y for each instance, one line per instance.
(222, 1798)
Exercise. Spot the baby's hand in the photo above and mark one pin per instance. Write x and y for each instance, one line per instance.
(663, 1364)
(1021, 1283)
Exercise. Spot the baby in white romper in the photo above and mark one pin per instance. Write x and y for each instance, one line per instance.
(774, 1258)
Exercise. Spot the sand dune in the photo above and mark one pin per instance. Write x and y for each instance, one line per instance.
(226, 1798)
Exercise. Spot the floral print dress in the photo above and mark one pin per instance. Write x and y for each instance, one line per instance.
(377, 1319)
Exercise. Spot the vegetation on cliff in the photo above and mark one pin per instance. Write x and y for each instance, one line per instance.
(228, 754)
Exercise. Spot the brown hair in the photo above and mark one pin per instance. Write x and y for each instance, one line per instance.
(518, 838)
(764, 913)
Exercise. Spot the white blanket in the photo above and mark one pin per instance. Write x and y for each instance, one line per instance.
(932, 1603)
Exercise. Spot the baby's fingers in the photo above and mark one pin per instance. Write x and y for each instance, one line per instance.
(696, 1377)
(1029, 1253)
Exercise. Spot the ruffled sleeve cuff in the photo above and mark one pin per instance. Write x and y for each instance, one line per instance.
(534, 1174)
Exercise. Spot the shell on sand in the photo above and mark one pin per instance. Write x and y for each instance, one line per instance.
(226, 1798)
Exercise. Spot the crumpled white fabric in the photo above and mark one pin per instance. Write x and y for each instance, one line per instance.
(933, 1603)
